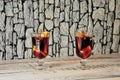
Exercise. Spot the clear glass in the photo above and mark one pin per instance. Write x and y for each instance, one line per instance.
(83, 46)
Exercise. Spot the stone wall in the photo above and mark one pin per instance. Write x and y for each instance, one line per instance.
(20, 18)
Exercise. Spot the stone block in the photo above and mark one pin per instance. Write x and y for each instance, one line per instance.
(117, 11)
(64, 28)
(116, 28)
(63, 52)
(56, 34)
(41, 5)
(49, 24)
(20, 48)
(20, 30)
(67, 13)
(9, 9)
(115, 43)
(110, 19)
(76, 16)
(64, 41)
(73, 31)
(49, 12)
(28, 41)
(98, 32)
(83, 7)
(98, 14)
(111, 5)
(28, 54)
(76, 5)
(2, 20)
(57, 12)
(1, 5)
(9, 54)
(98, 3)
(28, 13)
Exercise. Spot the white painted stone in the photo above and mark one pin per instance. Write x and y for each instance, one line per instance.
(90, 5)
(97, 48)
(98, 14)
(41, 26)
(98, 32)
(28, 41)
(67, 13)
(9, 52)
(20, 14)
(21, 21)
(2, 42)
(67, 2)
(116, 28)
(41, 5)
(63, 52)
(64, 28)
(57, 12)
(90, 26)
(110, 18)
(28, 13)
(83, 7)
(9, 30)
(15, 18)
(62, 5)
(20, 48)
(56, 22)
(49, 24)
(51, 1)
(35, 5)
(75, 16)
(98, 3)
(111, 5)
(62, 16)
(36, 14)
(20, 30)
(64, 41)
(36, 25)
(1, 5)
(15, 4)
(20, 5)
(28, 53)
(109, 36)
(9, 9)
(41, 17)
(108, 48)
(56, 34)
(76, 5)
(71, 49)
(49, 12)
(15, 10)
(117, 11)
(73, 31)
(50, 51)
(2, 20)
(57, 3)
(84, 20)
(14, 38)
(115, 44)
(51, 38)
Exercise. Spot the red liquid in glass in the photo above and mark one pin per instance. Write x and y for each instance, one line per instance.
(83, 47)
(40, 47)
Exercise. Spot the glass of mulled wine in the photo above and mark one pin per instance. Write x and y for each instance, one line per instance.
(40, 43)
(83, 46)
